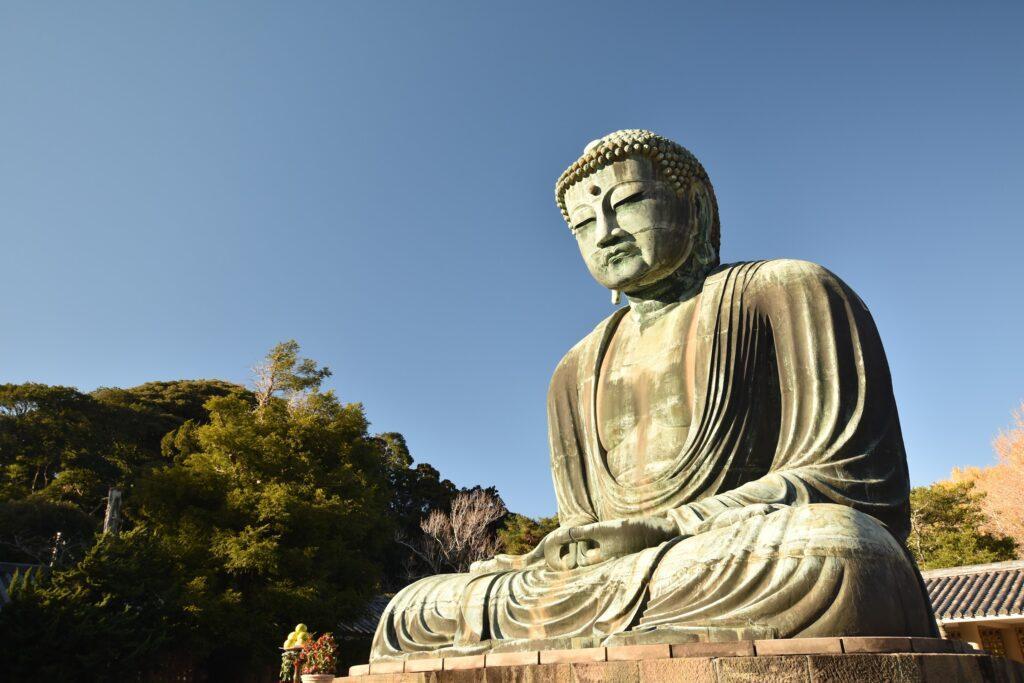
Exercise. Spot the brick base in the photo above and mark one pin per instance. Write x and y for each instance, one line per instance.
(853, 668)
(860, 660)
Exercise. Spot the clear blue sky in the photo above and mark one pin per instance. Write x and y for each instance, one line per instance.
(184, 184)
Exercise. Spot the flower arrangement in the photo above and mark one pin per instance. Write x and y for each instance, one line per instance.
(319, 656)
(288, 669)
(290, 652)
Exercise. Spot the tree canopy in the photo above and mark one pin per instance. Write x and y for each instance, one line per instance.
(244, 512)
(521, 534)
(72, 446)
(282, 372)
(946, 528)
(1003, 482)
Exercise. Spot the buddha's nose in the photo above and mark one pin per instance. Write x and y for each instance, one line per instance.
(608, 231)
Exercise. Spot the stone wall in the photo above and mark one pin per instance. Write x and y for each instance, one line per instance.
(801, 659)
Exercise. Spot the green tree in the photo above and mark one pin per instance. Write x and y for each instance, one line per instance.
(146, 413)
(280, 516)
(946, 528)
(414, 492)
(115, 615)
(180, 443)
(521, 534)
(282, 372)
(29, 531)
(72, 446)
(244, 513)
(41, 429)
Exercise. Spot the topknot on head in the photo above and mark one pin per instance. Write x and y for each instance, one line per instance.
(673, 162)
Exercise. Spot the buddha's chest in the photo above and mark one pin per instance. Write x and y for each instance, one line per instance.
(645, 394)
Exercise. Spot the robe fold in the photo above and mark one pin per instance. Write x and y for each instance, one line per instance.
(791, 492)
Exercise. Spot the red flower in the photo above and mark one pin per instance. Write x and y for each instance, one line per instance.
(319, 656)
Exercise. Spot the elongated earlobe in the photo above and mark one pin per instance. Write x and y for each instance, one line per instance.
(702, 218)
(615, 297)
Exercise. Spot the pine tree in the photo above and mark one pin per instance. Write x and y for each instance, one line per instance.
(946, 528)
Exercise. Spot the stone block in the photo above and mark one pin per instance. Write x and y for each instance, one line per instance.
(456, 676)
(655, 636)
(606, 672)
(359, 670)
(526, 645)
(688, 669)
(583, 654)
(373, 678)
(738, 648)
(1012, 671)
(511, 658)
(864, 668)
(461, 663)
(932, 645)
(387, 666)
(813, 668)
(993, 668)
(424, 664)
(637, 652)
(543, 673)
(798, 646)
(855, 645)
(792, 669)
(950, 667)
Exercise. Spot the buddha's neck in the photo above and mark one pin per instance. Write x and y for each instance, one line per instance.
(650, 303)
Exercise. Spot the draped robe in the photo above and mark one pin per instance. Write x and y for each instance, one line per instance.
(791, 492)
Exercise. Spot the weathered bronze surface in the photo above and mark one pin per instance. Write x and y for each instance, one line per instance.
(726, 450)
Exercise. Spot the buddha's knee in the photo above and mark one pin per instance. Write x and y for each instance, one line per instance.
(421, 616)
(817, 530)
(829, 529)
(440, 593)
(807, 570)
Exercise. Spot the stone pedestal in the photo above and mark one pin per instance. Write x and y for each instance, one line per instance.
(803, 660)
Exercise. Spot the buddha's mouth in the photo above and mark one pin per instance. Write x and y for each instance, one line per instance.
(618, 254)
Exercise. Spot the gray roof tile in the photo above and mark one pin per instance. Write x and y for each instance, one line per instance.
(976, 591)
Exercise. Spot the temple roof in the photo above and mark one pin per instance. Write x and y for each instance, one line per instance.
(978, 591)
(365, 624)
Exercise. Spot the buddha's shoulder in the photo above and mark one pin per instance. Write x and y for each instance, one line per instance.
(775, 275)
(573, 362)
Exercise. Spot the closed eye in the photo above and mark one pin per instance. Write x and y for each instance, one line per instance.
(630, 199)
(584, 223)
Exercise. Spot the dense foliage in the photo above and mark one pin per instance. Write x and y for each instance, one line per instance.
(1002, 482)
(521, 534)
(947, 523)
(63, 445)
(243, 513)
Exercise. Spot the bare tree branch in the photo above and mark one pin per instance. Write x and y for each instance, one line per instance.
(456, 539)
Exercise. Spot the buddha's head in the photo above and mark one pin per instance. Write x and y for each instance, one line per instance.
(642, 210)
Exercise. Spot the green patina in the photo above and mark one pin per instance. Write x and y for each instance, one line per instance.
(726, 451)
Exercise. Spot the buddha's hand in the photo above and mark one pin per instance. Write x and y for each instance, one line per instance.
(582, 546)
(731, 516)
(506, 563)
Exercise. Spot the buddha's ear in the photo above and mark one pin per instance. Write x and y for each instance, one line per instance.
(702, 214)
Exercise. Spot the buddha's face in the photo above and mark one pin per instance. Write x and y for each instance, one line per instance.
(631, 228)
